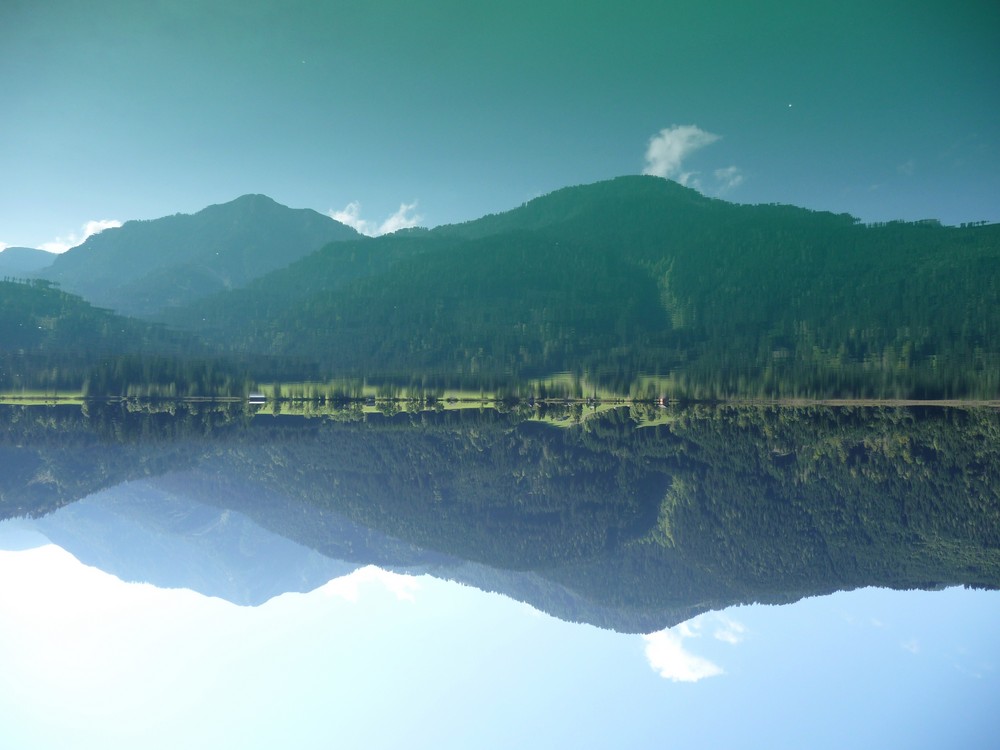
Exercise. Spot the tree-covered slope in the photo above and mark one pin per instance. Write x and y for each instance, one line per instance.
(38, 318)
(52, 340)
(145, 266)
(613, 521)
(642, 276)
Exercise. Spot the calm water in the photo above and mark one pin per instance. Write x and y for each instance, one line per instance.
(199, 576)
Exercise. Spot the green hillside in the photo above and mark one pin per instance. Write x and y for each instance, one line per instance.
(51, 340)
(640, 276)
(613, 521)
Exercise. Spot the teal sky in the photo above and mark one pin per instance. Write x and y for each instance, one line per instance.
(114, 109)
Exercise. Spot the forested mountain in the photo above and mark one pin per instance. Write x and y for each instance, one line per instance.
(18, 261)
(628, 279)
(52, 340)
(140, 531)
(613, 521)
(37, 317)
(145, 266)
(640, 275)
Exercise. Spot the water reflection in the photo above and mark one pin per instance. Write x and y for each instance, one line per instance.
(641, 521)
(633, 520)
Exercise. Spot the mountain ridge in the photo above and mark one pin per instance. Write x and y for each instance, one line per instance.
(635, 277)
(24, 260)
(638, 275)
(136, 268)
(634, 519)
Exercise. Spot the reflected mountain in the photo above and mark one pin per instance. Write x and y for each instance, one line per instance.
(632, 519)
(140, 531)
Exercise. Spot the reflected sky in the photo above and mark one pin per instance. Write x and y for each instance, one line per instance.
(378, 659)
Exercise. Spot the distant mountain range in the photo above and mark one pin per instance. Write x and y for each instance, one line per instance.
(631, 277)
(17, 261)
(143, 267)
(140, 532)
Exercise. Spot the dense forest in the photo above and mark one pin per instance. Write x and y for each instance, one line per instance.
(636, 279)
(629, 519)
(640, 276)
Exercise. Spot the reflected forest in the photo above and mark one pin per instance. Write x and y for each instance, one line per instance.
(632, 519)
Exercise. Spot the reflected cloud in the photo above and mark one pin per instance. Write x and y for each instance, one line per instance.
(348, 587)
(729, 631)
(668, 656)
(912, 645)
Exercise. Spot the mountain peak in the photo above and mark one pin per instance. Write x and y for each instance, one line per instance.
(254, 199)
(145, 266)
(605, 204)
(24, 260)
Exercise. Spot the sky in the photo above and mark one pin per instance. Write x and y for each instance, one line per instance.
(387, 114)
(381, 660)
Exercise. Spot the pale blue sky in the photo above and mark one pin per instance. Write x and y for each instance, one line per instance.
(384, 661)
(114, 109)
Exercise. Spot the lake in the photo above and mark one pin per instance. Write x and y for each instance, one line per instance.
(226, 574)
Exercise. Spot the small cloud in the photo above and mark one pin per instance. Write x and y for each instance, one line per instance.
(667, 656)
(912, 645)
(62, 244)
(349, 587)
(729, 631)
(351, 216)
(668, 149)
(404, 218)
(907, 168)
(728, 178)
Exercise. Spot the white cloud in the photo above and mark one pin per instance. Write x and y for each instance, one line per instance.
(912, 645)
(404, 218)
(3, 246)
(62, 244)
(667, 655)
(729, 631)
(669, 148)
(349, 587)
(728, 178)
(907, 168)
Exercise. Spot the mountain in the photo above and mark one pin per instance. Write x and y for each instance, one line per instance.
(52, 340)
(641, 276)
(634, 519)
(36, 316)
(637, 284)
(140, 532)
(15, 261)
(143, 267)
